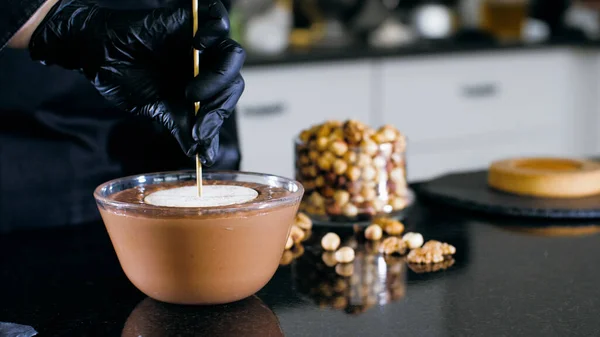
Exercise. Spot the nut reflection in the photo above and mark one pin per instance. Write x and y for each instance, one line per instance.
(370, 280)
(431, 268)
(249, 317)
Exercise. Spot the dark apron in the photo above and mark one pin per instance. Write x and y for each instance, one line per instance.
(59, 140)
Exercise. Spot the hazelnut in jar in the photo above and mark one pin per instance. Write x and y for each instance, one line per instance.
(351, 172)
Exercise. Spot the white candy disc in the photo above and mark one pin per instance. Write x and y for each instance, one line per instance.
(212, 196)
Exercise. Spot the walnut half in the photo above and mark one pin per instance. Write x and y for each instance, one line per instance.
(431, 252)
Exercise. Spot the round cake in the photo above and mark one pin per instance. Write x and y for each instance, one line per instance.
(546, 177)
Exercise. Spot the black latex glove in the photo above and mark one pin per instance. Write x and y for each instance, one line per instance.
(141, 60)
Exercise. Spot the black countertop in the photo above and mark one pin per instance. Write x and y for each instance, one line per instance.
(505, 281)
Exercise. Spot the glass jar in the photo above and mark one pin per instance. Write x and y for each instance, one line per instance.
(349, 178)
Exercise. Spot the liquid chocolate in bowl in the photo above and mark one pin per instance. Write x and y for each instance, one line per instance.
(138, 195)
(203, 255)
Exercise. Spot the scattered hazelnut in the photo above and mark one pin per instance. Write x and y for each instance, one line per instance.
(400, 144)
(341, 197)
(350, 157)
(317, 200)
(368, 193)
(304, 160)
(398, 203)
(339, 166)
(298, 251)
(338, 133)
(329, 259)
(339, 148)
(400, 190)
(393, 245)
(396, 158)
(381, 175)
(364, 160)
(322, 143)
(320, 181)
(394, 228)
(350, 210)
(334, 209)
(330, 156)
(358, 199)
(378, 205)
(379, 138)
(305, 136)
(328, 192)
(304, 171)
(373, 232)
(330, 242)
(369, 209)
(413, 240)
(369, 147)
(379, 162)
(344, 269)
(369, 173)
(324, 163)
(307, 235)
(303, 221)
(354, 187)
(296, 234)
(344, 255)
(289, 243)
(324, 131)
(397, 174)
(353, 173)
(286, 258)
(330, 178)
(389, 133)
(309, 171)
(308, 185)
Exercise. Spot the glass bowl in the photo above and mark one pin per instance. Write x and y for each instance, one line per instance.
(199, 255)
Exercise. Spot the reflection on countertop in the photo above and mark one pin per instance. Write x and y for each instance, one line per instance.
(249, 317)
(68, 282)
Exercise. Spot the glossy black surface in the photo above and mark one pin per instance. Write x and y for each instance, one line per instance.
(470, 190)
(506, 280)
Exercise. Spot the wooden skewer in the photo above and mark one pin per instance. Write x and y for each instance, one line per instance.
(197, 104)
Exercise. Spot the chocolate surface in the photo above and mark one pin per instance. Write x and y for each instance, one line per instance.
(136, 195)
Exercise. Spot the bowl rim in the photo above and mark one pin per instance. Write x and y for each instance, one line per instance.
(293, 197)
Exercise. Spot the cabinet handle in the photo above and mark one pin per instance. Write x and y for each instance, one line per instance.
(480, 90)
(264, 110)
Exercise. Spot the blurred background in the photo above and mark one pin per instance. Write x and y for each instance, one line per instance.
(467, 81)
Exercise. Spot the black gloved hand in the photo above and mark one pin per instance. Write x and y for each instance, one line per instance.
(141, 60)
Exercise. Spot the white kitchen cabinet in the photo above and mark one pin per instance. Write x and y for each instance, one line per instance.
(462, 112)
(470, 96)
(281, 101)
